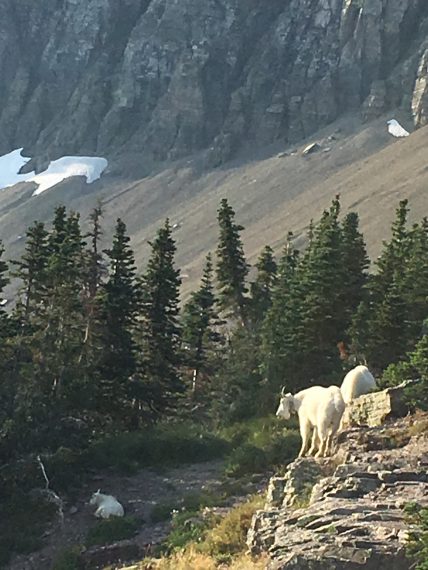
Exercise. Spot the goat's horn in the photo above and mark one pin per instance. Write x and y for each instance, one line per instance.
(283, 391)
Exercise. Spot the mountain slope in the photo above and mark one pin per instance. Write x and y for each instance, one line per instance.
(271, 194)
(160, 79)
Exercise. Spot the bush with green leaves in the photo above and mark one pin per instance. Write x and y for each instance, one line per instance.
(23, 521)
(68, 559)
(171, 444)
(417, 548)
(191, 502)
(112, 530)
(258, 445)
(187, 526)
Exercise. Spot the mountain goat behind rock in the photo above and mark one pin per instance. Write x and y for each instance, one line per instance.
(108, 506)
(320, 411)
(357, 382)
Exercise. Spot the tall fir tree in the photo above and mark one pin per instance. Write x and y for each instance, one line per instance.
(356, 263)
(159, 381)
(261, 288)
(201, 337)
(61, 317)
(8, 388)
(232, 268)
(120, 303)
(31, 270)
(4, 280)
(95, 272)
(280, 324)
(319, 292)
(387, 323)
(415, 281)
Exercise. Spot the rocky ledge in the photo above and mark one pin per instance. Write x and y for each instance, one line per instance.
(346, 513)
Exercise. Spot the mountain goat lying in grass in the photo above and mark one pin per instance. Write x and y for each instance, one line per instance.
(107, 505)
(357, 382)
(320, 411)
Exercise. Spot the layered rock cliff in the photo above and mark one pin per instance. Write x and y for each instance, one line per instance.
(348, 512)
(163, 78)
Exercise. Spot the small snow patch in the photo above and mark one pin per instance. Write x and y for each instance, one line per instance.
(396, 130)
(67, 166)
(58, 170)
(10, 165)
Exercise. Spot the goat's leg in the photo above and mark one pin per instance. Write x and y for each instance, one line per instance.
(322, 448)
(323, 440)
(329, 444)
(305, 431)
(314, 442)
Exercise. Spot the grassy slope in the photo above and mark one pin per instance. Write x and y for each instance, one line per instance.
(271, 195)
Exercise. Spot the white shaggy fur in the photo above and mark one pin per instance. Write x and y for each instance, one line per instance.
(108, 506)
(320, 411)
(357, 382)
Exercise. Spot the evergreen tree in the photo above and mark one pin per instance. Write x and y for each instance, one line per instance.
(415, 281)
(232, 268)
(238, 388)
(4, 280)
(388, 322)
(119, 310)
(280, 324)
(356, 263)
(159, 379)
(95, 272)
(32, 272)
(261, 288)
(58, 341)
(319, 292)
(8, 387)
(201, 338)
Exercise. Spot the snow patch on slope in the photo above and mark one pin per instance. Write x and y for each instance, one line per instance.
(67, 166)
(10, 165)
(58, 170)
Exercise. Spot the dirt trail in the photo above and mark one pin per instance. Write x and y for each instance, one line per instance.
(138, 494)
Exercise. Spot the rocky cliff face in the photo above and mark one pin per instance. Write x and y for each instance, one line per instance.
(163, 78)
(348, 512)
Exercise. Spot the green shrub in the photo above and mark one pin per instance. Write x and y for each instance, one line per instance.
(191, 502)
(417, 548)
(112, 530)
(67, 559)
(187, 526)
(259, 444)
(23, 521)
(228, 537)
(246, 459)
(162, 445)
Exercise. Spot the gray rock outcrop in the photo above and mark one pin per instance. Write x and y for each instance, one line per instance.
(354, 517)
(161, 78)
(375, 408)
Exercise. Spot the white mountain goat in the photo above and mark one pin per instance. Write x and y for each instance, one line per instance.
(320, 411)
(108, 506)
(357, 382)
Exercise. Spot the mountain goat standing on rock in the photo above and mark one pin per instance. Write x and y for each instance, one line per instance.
(320, 410)
(357, 382)
(108, 506)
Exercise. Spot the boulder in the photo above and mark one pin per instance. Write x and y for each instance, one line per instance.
(375, 408)
(311, 148)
